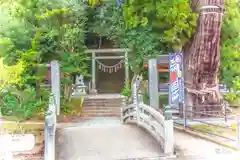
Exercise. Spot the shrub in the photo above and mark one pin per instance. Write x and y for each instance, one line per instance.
(18, 104)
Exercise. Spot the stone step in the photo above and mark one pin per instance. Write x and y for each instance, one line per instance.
(101, 114)
(103, 99)
(101, 103)
(101, 107)
(98, 108)
(101, 111)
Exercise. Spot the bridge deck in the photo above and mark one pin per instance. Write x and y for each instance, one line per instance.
(107, 139)
(103, 139)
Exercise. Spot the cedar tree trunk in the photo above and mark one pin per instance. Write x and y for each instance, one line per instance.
(202, 57)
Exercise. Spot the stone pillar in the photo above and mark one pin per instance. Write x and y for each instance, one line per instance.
(93, 89)
(126, 68)
(168, 137)
(238, 132)
(134, 93)
(55, 83)
(124, 104)
(153, 83)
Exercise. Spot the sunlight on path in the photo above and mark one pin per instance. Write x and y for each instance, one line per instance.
(102, 139)
(196, 148)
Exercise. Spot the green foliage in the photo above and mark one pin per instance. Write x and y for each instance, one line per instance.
(230, 49)
(19, 104)
(72, 107)
(94, 2)
(41, 31)
(10, 74)
(126, 91)
(173, 19)
(36, 32)
(148, 28)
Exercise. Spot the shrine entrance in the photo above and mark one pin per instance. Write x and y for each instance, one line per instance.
(109, 70)
(110, 75)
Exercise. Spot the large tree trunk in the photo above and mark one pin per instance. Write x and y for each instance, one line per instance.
(202, 57)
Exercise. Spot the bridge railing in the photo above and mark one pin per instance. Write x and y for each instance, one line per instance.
(150, 119)
(52, 111)
(50, 130)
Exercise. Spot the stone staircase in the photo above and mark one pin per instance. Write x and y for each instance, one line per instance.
(102, 105)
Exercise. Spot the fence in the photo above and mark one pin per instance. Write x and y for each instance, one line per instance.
(221, 128)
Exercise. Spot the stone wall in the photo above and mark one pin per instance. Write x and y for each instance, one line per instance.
(37, 129)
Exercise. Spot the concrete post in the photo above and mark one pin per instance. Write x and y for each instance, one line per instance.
(134, 93)
(168, 137)
(238, 132)
(93, 90)
(140, 98)
(55, 83)
(136, 85)
(124, 104)
(126, 69)
(153, 83)
(49, 132)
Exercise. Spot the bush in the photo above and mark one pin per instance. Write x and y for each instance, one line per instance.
(19, 104)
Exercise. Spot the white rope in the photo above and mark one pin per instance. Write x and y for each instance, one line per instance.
(204, 13)
(120, 62)
(209, 7)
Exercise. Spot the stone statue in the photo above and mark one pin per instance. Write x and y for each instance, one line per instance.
(79, 88)
(79, 80)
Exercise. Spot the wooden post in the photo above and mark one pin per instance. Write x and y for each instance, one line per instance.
(126, 68)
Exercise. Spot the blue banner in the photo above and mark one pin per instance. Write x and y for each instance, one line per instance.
(176, 85)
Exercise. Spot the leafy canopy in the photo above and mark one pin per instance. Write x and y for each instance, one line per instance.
(230, 49)
(40, 31)
(148, 28)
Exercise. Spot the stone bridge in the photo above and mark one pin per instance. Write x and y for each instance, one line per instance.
(105, 139)
(152, 137)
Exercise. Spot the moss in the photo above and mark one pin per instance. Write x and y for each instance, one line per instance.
(77, 102)
(72, 107)
(163, 99)
(22, 127)
(207, 128)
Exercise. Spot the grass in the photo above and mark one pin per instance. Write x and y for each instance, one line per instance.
(203, 127)
(72, 108)
(236, 110)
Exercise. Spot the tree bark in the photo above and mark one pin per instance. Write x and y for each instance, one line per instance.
(202, 57)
